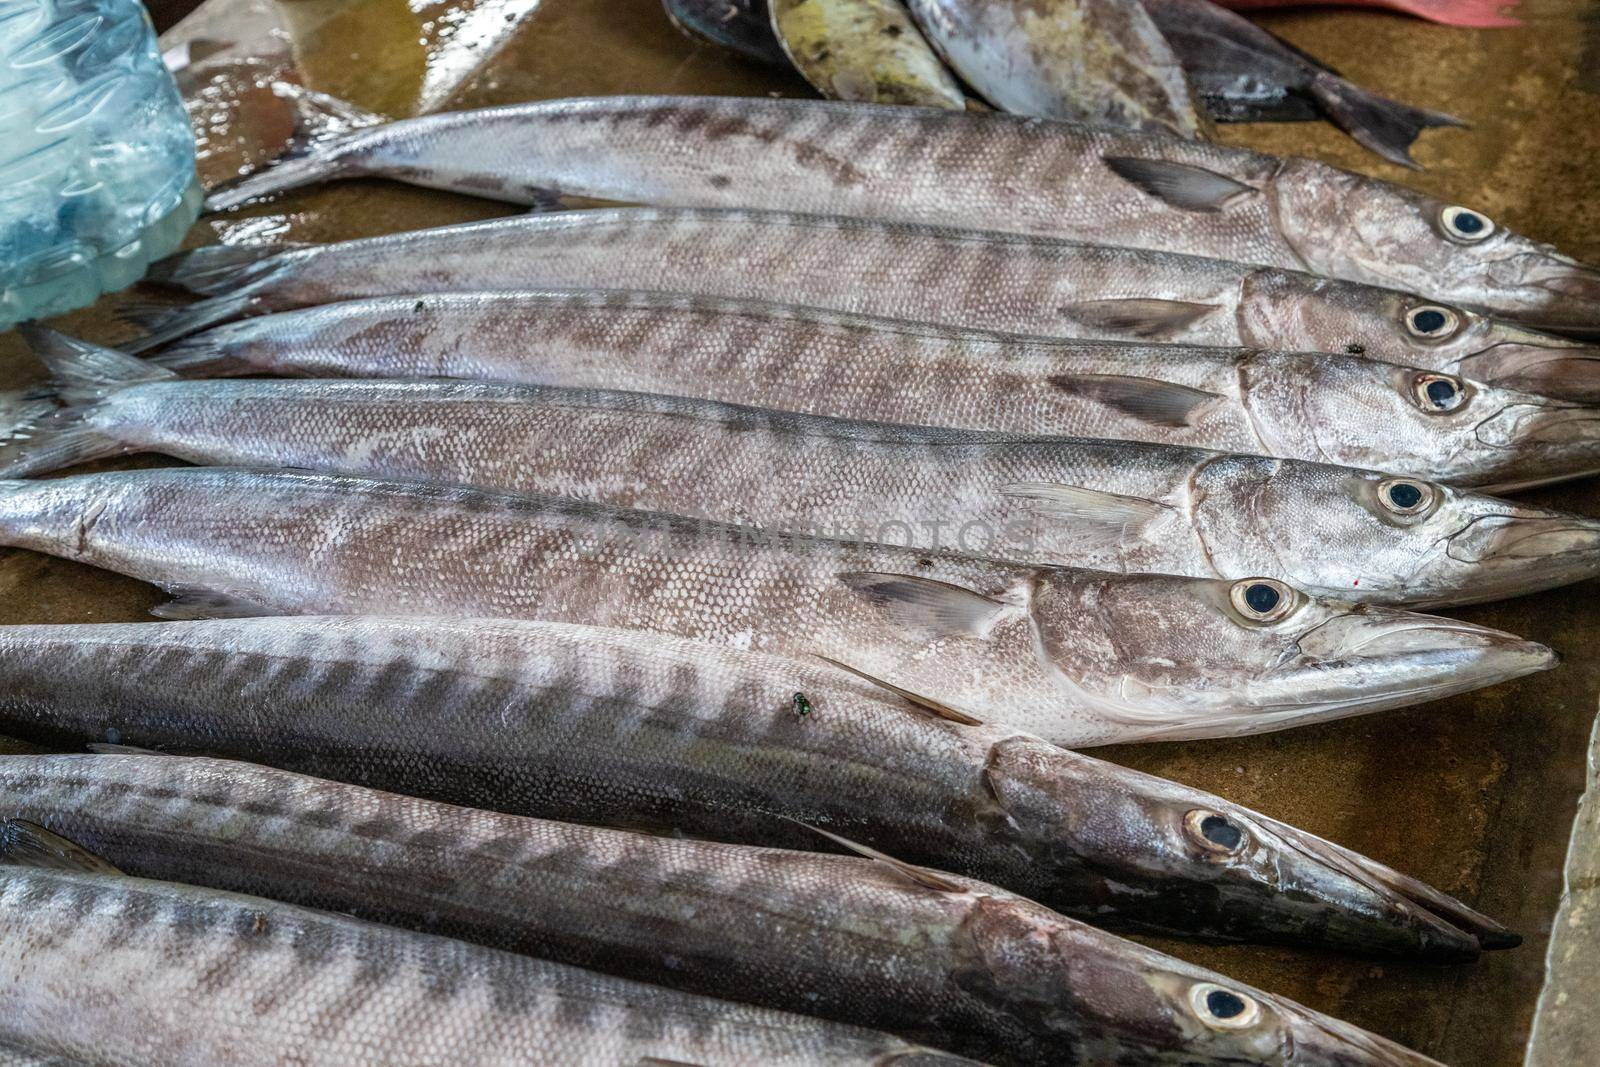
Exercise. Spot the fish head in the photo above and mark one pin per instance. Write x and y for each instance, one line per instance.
(1347, 532)
(1170, 859)
(1343, 225)
(1174, 658)
(1291, 311)
(1359, 413)
(1128, 1003)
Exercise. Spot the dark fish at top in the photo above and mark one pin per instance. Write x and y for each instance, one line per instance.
(1246, 74)
(638, 729)
(741, 26)
(922, 954)
(989, 171)
(124, 972)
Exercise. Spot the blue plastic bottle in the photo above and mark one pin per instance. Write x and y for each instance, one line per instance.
(97, 171)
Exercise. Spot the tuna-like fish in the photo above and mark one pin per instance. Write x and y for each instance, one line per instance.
(1246, 74)
(1080, 657)
(992, 171)
(907, 950)
(960, 278)
(864, 50)
(1110, 505)
(639, 729)
(742, 26)
(261, 982)
(1360, 413)
(1102, 62)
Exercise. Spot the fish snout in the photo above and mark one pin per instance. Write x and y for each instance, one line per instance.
(1546, 366)
(1316, 1040)
(1561, 294)
(1425, 654)
(1515, 551)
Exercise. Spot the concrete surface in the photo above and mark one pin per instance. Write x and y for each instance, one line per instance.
(1474, 794)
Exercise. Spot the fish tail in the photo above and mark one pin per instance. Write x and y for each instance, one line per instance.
(1386, 126)
(326, 144)
(57, 432)
(231, 275)
(201, 356)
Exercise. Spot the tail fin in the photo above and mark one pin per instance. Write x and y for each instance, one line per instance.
(322, 147)
(1385, 126)
(203, 355)
(56, 434)
(217, 269)
(240, 271)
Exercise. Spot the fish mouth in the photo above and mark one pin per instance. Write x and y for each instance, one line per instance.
(1524, 550)
(1565, 370)
(1550, 442)
(1312, 1039)
(1549, 291)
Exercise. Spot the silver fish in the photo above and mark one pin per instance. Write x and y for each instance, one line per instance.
(1080, 657)
(863, 941)
(639, 729)
(201, 977)
(1109, 505)
(1434, 425)
(964, 279)
(1102, 62)
(992, 171)
(863, 50)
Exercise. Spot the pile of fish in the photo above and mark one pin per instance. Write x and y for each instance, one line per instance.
(661, 634)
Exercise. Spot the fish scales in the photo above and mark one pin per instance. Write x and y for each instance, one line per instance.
(264, 982)
(991, 171)
(1110, 505)
(1165, 657)
(637, 729)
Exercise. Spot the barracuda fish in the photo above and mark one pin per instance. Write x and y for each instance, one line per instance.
(1102, 62)
(863, 50)
(742, 26)
(960, 278)
(1110, 505)
(1246, 74)
(263, 983)
(1080, 657)
(992, 171)
(1361, 414)
(910, 950)
(712, 742)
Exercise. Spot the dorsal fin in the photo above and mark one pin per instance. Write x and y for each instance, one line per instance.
(919, 875)
(191, 603)
(917, 700)
(1146, 399)
(927, 603)
(1143, 317)
(26, 844)
(1179, 184)
(1096, 516)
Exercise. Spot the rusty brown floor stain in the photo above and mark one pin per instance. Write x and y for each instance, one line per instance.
(1474, 794)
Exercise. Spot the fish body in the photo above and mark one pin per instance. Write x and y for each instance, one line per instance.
(957, 278)
(1246, 74)
(987, 171)
(261, 982)
(864, 50)
(1080, 657)
(1107, 505)
(742, 26)
(632, 728)
(1101, 62)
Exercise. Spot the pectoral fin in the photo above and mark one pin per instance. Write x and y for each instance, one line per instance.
(1143, 318)
(1179, 184)
(1099, 517)
(1146, 399)
(25, 844)
(928, 704)
(927, 604)
(190, 603)
(918, 875)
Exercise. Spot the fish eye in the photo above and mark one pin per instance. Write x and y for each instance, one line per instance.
(1439, 393)
(1464, 224)
(1215, 832)
(1432, 322)
(1223, 1009)
(1262, 599)
(1403, 496)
